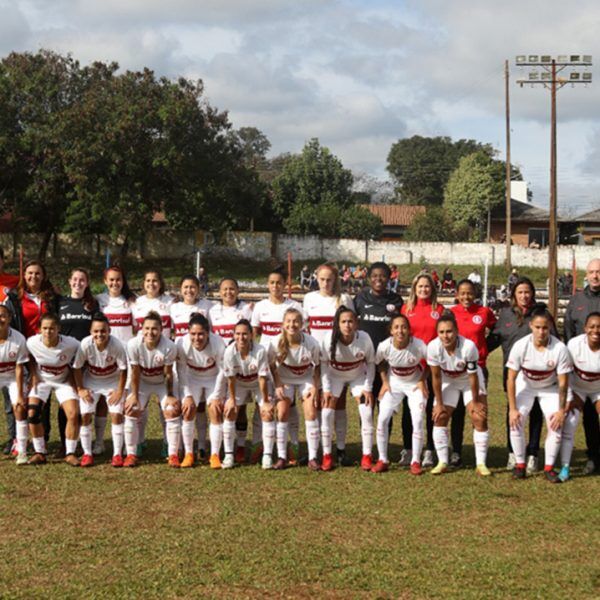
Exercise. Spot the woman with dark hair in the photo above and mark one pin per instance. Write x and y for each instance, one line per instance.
(154, 299)
(190, 303)
(512, 325)
(117, 302)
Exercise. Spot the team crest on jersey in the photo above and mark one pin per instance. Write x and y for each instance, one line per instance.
(63, 356)
(477, 320)
(435, 314)
(551, 364)
(210, 361)
(360, 354)
(460, 364)
(252, 368)
(411, 360)
(159, 360)
(390, 307)
(109, 360)
(162, 306)
(239, 315)
(12, 354)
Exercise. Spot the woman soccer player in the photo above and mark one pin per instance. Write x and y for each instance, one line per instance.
(154, 299)
(267, 317)
(585, 383)
(246, 367)
(201, 381)
(400, 358)
(116, 303)
(347, 359)
(151, 357)
(474, 322)
(223, 317)
(190, 303)
(51, 356)
(538, 367)
(100, 370)
(454, 371)
(294, 358)
(13, 358)
(423, 312)
(320, 307)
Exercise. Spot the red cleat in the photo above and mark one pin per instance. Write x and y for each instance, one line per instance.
(174, 461)
(240, 455)
(415, 468)
(87, 460)
(14, 451)
(130, 461)
(327, 464)
(380, 467)
(117, 461)
(366, 462)
(256, 453)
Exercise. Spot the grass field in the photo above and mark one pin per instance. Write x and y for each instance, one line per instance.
(160, 533)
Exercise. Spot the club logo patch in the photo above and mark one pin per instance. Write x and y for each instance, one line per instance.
(109, 360)
(159, 360)
(551, 364)
(162, 306)
(435, 315)
(411, 360)
(210, 361)
(460, 364)
(477, 320)
(12, 354)
(252, 368)
(62, 356)
(390, 307)
(360, 354)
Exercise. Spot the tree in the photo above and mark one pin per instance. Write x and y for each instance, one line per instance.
(254, 145)
(472, 190)
(433, 226)
(420, 166)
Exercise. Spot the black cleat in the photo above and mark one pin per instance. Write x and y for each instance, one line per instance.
(342, 459)
(552, 476)
(519, 473)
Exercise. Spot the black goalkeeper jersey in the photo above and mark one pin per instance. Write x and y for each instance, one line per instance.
(375, 313)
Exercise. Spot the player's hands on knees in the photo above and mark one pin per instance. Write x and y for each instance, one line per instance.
(113, 397)
(188, 406)
(369, 400)
(385, 388)
(328, 400)
(85, 395)
(514, 418)
(439, 410)
(557, 419)
(311, 396)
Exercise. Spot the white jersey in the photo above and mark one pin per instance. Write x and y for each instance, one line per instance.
(152, 363)
(119, 314)
(101, 366)
(350, 362)
(246, 370)
(405, 365)
(586, 365)
(161, 305)
(300, 361)
(269, 316)
(539, 369)
(223, 319)
(195, 364)
(53, 363)
(320, 311)
(456, 367)
(13, 352)
(181, 313)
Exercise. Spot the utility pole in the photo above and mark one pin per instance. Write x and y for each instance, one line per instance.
(550, 79)
(508, 231)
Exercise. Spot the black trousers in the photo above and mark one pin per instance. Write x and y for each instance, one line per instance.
(591, 428)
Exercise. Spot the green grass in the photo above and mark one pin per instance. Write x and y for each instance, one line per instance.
(160, 533)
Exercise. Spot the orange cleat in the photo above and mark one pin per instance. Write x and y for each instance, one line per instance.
(188, 461)
(366, 462)
(215, 461)
(327, 463)
(380, 467)
(117, 461)
(174, 461)
(130, 461)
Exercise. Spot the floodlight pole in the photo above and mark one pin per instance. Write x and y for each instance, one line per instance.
(552, 241)
(508, 231)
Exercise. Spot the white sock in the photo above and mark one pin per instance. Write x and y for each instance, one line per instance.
(99, 428)
(480, 442)
(116, 430)
(229, 433)
(187, 433)
(268, 437)
(417, 435)
(383, 432)
(552, 446)
(142, 421)
(294, 424)
(282, 434)
(39, 445)
(341, 428)
(257, 426)
(22, 435)
(131, 430)
(85, 435)
(312, 438)
(327, 416)
(216, 438)
(517, 441)
(366, 428)
(71, 445)
(440, 441)
(173, 435)
(568, 437)
(201, 426)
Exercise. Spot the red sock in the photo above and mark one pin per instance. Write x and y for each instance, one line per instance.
(520, 465)
(548, 467)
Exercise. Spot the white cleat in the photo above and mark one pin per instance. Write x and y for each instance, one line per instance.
(228, 462)
(590, 467)
(405, 458)
(532, 465)
(427, 459)
(267, 462)
(98, 448)
(512, 462)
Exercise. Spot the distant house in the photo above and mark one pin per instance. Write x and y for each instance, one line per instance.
(529, 224)
(395, 217)
(589, 227)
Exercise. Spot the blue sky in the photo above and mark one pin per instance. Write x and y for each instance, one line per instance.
(357, 75)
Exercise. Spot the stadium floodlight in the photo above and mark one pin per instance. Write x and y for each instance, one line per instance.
(574, 76)
(562, 59)
(586, 77)
(533, 58)
(545, 59)
(575, 58)
(534, 76)
(521, 59)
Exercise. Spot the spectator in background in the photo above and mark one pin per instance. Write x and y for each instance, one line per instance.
(394, 279)
(305, 277)
(474, 277)
(436, 278)
(203, 280)
(346, 276)
(512, 279)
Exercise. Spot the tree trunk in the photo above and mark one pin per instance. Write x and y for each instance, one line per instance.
(45, 242)
(124, 249)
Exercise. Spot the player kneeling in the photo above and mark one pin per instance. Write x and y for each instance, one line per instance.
(51, 356)
(199, 369)
(13, 358)
(247, 370)
(294, 357)
(100, 371)
(454, 371)
(399, 360)
(151, 357)
(347, 359)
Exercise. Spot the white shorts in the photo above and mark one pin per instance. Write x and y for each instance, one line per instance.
(63, 392)
(147, 390)
(244, 395)
(356, 386)
(205, 390)
(297, 390)
(12, 391)
(525, 397)
(583, 394)
(97, 392)
(394, 398)
(451, 390)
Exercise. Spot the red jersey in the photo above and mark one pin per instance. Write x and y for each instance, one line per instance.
(472, 323)
(9, 281)
(32, 309)
(423, 319)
